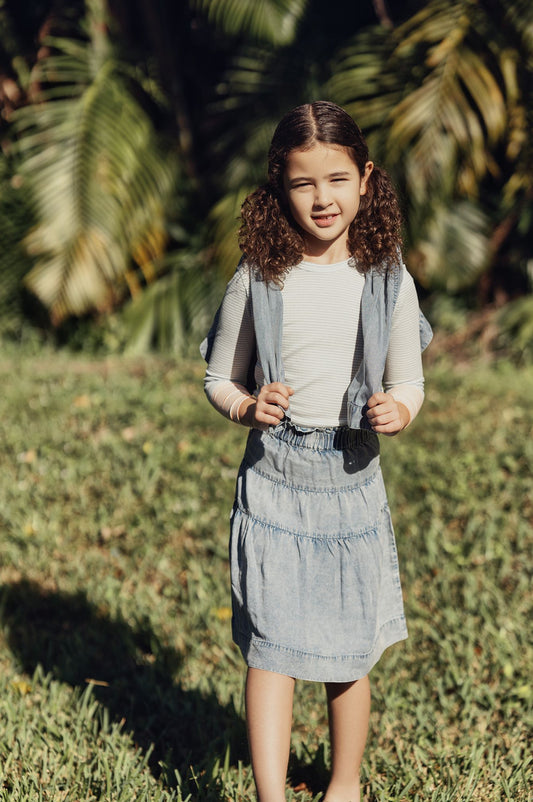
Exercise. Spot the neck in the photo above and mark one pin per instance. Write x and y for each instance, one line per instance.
(327, 253)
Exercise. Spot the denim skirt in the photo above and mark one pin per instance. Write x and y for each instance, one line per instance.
(315, 584)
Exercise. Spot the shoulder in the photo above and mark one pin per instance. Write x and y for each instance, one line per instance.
(407, 297)
(407, 283)
(239, 283)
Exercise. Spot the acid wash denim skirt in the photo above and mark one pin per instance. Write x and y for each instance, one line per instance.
(316, 589)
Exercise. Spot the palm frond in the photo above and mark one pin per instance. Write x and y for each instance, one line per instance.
(225, 225)
(99, 181)
(456, 115)
(273, 21)
(436, 90)
(364, 79)
(174, 313)
(455, 248)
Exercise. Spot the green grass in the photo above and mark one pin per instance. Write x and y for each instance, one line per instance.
(119, 679)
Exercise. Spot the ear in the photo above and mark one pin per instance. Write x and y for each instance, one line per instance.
(369, 166)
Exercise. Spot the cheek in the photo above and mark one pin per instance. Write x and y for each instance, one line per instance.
(352, 204)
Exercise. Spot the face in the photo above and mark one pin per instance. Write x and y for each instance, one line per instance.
(323, 187)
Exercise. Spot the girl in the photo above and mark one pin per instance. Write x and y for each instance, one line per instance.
(326, 316)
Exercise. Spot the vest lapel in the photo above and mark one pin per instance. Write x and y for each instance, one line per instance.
(267, 305)
(377, 305)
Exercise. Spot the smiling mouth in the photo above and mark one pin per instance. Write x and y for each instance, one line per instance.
(325, 220)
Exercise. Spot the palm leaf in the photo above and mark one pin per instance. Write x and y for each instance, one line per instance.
(174, 313)
(455, 248)
(445, 101)
(273, 21)
(99, 183)
(225, 222)
(436, 90)
(366, 78)
(459, 110)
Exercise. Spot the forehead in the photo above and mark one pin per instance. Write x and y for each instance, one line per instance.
(320, 159)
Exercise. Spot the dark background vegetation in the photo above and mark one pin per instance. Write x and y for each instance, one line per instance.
(132, 131)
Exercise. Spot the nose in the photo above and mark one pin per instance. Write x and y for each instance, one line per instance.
(322, 195)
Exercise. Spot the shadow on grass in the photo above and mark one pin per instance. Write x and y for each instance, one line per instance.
(75, 642)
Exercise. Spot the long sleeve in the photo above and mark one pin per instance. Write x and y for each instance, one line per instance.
(233, 349)
(403, 377)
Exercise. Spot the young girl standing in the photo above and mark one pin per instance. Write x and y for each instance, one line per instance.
(317, 348)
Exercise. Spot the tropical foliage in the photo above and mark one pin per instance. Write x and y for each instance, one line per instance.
(98, 182)
(273, 20)
(14, 262)
(141, 132)
(447, 100)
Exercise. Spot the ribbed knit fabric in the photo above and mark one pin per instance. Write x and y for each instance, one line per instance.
(321, 348)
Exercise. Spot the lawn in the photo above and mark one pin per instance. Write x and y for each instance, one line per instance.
(119, 679)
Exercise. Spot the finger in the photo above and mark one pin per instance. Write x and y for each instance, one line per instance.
(269, 417)
(273, 400)
(269, 409)
(388, 428)
(271, 397)
(377, 398)
(386, 423)
(379, 411)
(281, 388)
(384, 418)
(280, 401)
(383, 411)
(375, 424)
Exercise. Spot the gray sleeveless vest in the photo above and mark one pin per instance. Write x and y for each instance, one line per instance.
(380, 293)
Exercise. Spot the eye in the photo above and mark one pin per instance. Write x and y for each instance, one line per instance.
(301, 185)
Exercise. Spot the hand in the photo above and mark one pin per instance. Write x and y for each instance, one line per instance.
(386, 415)
(268, 409)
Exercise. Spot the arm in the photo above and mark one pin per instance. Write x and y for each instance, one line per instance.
(233, 350)
(403, 380)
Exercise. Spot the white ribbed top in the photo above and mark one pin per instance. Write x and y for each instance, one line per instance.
(321, 349)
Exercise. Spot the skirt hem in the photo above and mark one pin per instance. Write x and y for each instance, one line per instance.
(301, 665)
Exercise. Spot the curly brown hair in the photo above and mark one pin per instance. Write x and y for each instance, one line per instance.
(270, 238)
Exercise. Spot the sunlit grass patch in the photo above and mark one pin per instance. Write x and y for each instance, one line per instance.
(119, 679)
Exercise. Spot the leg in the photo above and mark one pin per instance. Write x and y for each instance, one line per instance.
(349, 712)
(269, 720)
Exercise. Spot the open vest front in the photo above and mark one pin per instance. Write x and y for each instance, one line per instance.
(380, 293)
